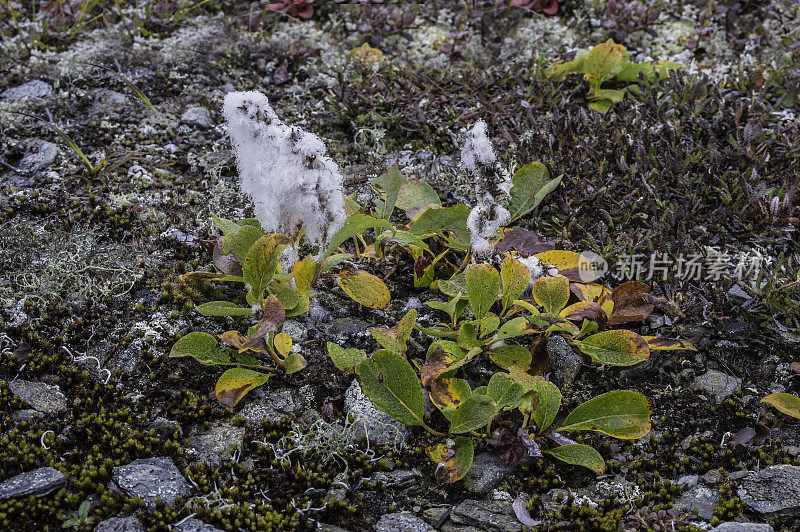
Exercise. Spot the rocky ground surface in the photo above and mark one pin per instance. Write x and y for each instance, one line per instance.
(92, 410)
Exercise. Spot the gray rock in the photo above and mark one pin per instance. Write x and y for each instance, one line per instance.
(106, 101)
(482, 515)
(42, 397)
(700, 498)
(487, 471)
(565, 363)
(688, 481)
(31, 89)
(120, 524)
(37, 482)
(738, 295)
(773, 491)
(732, 526)
(197, 116)
(325, 527)
(719, 384)
(41, 154)
(214, 446)
(271, 405)
(24, 415)
(402, 522)
(194, 525)
(370, 422)
(437, 515)
(344, 327)
(127, 361)
(150, 479)
(296, 330)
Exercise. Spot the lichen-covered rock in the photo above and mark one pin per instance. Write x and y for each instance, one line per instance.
(194, 525)
(35, 88)
(718, 384)
(773, 491)
(214, 445)
(150, 479)
(733, 526)
(565, 363)
(120, 524)
(700, 498)
(402, 522)
(271, 405)
(37, 482)
(376, 426)
(42, 397)
(487, 471)
(473, 515)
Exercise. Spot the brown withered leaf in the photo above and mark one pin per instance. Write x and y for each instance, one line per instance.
(524, 241)
(274, 315)
(540, 358)
(585, 310)
(795, 367)
(632, 302)
(228, 264)
(233, 338)
(509, 446)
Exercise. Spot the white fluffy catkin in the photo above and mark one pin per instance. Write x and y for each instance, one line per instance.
(492, 184)
(284, 170)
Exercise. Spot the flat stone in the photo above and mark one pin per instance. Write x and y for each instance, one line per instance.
(214, 446)
(774, 491)
(700, 498)
(487, 471)
(197, 116)
(26, 414)
(435, 516)
(194, 525)
(41, 397)
(106, 101)
(732, 526)
(738, 295)
(376, 426)
(565, 363)
(719, 384)
(271, 405)
(402, 522)
(482, 515)
(40, 155)
(120, 524)
(150, 479)
(31, 89)
(37, 482)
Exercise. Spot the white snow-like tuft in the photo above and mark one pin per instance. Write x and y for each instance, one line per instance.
(492, 185)
(284, 170)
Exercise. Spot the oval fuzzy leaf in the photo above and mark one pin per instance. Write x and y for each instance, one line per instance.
(632, 302)
(364, 288)
(356, 224)
(235, 383)
(448, 394)
(303, 272)
(223, 308)
(443, 220)
(294, 362)
(200, 346)
(622, 414)
(551, 293)
(395, 338)
(549, 403)
(345, 359)
(442, 356)
(616, 348)
(579, 454)
(786, 403)
(473, 413)
(452, 462)
(515, 277)
(506, 356)
(604, 59)
(483, 285)
(239, 242)
(416, 196)
(516, 327)
(390, 382)
(506, 392)
(282, 343)
(530, 186)
(585, 310)
(390, 184)
(571, 265)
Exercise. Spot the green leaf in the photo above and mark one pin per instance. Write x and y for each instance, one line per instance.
(411, 242)
(334, 260)
(616, 348)
(303, 272)
(468, 336)
(449, 393)
(786, 403)
(390, 183)
(609, 94)
(235, 383)
(200, 346)
(516, 327)
(506, 392)
(444, 357)
(579, 454)
(452, 461)
(509, 355)
(239, 242)
(454, 308)
(483, 285)
(549, 403)
(601, 106)
(621, 414)
(226, 226)
(560, 68)
(355, 224)
(223, 308)
(390, 382)
(364, 288)
(473, 413)
(416, 196)
(552, 293)
(294, 362)
(395, 338)
(440, 220)
(604, 60)
(530, 188)
(516, 277)
(345, 359)
(262, 261)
